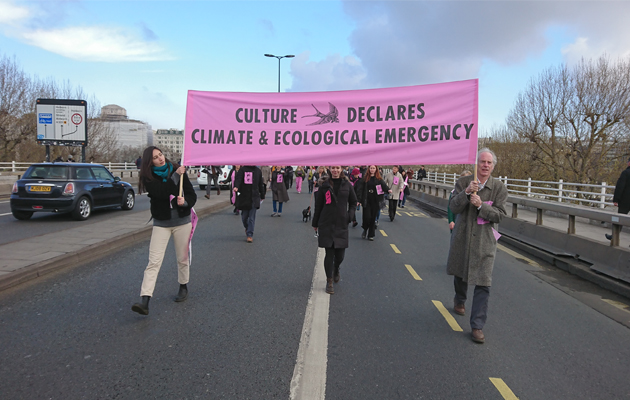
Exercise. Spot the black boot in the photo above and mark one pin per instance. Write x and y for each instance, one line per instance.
(364, 234)
(142, 308)
(183, 293)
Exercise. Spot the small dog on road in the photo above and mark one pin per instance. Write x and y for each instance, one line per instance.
(306, 214)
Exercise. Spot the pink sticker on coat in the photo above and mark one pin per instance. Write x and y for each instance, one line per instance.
(328, 197)
(396, 180)
(379, 189)
(249, 178)
(279, 178)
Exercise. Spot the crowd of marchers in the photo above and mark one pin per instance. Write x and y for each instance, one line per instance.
(476, 207)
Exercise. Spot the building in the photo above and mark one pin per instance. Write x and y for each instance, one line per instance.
(171, 141)
(129, 132)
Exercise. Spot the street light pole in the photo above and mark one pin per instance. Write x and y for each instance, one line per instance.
(279, 58)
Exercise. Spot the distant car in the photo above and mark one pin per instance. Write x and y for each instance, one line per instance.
(75, 188)
(202, 177)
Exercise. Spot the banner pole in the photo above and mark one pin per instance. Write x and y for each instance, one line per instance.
(475, 169)
(181, 183)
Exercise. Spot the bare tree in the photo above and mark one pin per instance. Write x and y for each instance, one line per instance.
(576, 118)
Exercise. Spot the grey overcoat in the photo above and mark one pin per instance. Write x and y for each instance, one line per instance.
(473, 245)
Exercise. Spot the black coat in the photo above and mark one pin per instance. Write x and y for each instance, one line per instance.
(361, 188)
(622, 191)
(249, 192)
(159, 192)
(332, 219)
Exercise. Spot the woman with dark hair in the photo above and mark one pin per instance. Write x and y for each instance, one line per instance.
(279, 189)
(160, 178)
(370, 191)
(335, 204)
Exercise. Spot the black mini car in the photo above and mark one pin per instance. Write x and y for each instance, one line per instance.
(75, 188)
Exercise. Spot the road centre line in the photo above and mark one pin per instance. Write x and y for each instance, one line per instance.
(309, 373)
(383, 233)
(413, 272)
(395, 249)
(519, 256)
(447, 316)
(505, 391)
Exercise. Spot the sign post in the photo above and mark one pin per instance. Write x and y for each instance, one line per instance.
(62, 123)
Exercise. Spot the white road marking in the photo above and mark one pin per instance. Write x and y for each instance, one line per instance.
(2, 215)
(309, 374)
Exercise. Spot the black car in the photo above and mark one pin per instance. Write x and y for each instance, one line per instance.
(75, 188)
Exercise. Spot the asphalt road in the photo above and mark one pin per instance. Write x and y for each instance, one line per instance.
(42, 223)
(72, 335)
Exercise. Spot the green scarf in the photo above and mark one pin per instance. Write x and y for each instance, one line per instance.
(164, 171)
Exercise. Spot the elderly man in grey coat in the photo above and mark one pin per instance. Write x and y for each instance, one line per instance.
(478, 206)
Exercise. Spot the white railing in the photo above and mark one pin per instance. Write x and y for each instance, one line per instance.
(576, 193)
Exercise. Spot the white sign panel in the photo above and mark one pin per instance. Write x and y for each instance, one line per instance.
(60, 122)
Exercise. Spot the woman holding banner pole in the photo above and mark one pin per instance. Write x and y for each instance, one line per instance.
(172, 198)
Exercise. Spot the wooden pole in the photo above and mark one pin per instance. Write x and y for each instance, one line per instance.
(475, 169)
(181, 185)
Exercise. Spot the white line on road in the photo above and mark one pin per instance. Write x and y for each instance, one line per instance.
(309, 374)
(2, 215)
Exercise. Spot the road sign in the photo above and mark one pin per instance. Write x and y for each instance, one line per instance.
(61, 122)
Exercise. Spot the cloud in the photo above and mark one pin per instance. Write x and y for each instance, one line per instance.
(267, 26)
(100, 44)
(333, 73)
(399, 43)
(11, 14)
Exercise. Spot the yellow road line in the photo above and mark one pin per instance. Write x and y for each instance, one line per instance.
(505, 391)
(395, 249)
(447, 316)
(383, 233)
(518, 256)
(618, 304)
(413, 272)
(419, 214)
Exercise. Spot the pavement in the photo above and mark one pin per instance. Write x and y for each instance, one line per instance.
(30, 258)
(33, 257)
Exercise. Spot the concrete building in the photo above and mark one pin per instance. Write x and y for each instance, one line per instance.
(171, 141)
(129, 132)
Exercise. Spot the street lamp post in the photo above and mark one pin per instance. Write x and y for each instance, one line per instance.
(279, 58)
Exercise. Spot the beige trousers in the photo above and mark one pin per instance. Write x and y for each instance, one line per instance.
(159, 240)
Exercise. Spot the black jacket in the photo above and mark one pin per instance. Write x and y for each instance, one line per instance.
(361, 188)
(333, 213)
(622, 191)
(159, 192)
(248, 192)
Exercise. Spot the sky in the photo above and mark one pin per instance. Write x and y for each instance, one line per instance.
(145, 55)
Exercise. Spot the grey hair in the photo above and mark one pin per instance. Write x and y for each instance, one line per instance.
(487, 150)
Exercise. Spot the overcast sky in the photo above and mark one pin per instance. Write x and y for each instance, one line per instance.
(145, 55)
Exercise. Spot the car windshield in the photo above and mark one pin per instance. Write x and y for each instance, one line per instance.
(47, 172)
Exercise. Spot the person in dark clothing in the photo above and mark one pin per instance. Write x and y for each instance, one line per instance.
(335, 204)
(171, 216)
(621, 197)
(250, 189)
(370, 191)
(422, 173)
(289, 175)
(139, 162)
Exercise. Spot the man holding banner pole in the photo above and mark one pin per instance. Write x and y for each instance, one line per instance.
(479, 205)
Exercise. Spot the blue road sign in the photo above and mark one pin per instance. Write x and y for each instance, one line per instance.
(45, 118)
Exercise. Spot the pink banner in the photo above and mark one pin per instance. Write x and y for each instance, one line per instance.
(428, 124)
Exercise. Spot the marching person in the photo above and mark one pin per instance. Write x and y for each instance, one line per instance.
(311, 182)
(395, 182)
(250, 189)
(335, 205)
(280, 194)
(370, 191)
(213, 172)
(230, 180)
(481, 206)
(299, 178)
(171, 217)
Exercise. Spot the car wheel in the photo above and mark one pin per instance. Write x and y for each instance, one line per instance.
(202, 187)
(22, 215)
(83, 209)
(128, 201)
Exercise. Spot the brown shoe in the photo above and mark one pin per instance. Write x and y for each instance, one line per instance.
(477, 336)
(206, 196)
(329, 286)
(249, 239)
(459, 309)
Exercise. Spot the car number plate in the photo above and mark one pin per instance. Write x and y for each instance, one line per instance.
(39, 188)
